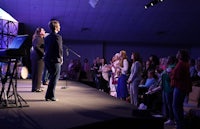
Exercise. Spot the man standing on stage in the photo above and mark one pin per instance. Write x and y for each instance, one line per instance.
(53, 58)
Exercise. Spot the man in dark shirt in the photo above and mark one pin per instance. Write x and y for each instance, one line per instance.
(53, 58)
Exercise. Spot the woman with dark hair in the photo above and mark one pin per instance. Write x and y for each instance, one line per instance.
(181, 81)
(167, 90)
(135, 77)
(37, 53)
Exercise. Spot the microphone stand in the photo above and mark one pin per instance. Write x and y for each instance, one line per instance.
(75, 53)
(67, 52)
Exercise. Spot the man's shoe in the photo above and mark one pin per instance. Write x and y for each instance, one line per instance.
(51, 99)
(39, 90)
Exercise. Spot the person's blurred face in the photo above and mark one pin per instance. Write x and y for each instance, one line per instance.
(147, 63)
(42, 32)
(58, 27)
(132, 56)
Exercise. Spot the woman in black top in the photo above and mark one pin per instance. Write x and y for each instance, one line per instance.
(37, 53)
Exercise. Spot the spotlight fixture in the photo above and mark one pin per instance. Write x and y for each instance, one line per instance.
(152, 3)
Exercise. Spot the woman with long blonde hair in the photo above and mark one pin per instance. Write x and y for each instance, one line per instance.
(122, 90)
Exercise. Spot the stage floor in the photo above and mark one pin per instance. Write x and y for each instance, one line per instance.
(78, 105)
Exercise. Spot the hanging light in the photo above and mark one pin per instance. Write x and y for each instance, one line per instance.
(152, 3)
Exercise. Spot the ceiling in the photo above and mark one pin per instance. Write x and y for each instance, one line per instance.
(168, 22)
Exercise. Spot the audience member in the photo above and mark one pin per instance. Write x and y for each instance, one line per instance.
(85, 72)
(181, 81)
(114, 75)
(146, 68)
(154, 61)
(135, 78)
(167, 90)
(122, 90)
(95, 72)
(150, 100)
(151, 80)
(193, 71)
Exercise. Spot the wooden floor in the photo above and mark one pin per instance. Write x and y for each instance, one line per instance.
(79, 106)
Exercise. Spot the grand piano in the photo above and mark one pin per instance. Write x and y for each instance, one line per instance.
(9, 59)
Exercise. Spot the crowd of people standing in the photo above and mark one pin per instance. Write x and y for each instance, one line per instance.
(163, 82)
